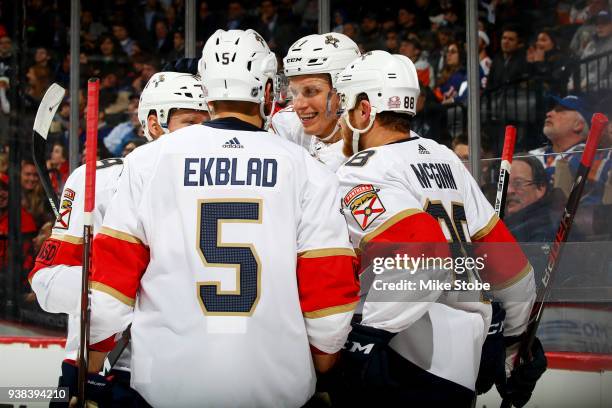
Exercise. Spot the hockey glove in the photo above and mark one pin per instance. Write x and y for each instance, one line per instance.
(522, 379)
(366, 356)
(492, 359)
(98, 388)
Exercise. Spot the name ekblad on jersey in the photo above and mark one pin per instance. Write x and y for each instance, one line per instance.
(63, 219)
(221, 171)
(439, 173)
(365, 204)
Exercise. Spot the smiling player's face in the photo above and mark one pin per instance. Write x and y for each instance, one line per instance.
(310, 93)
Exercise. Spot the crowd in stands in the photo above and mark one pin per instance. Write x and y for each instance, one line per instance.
(124, 42)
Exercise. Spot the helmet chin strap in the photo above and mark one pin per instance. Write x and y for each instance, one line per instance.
(262, 112)
(358, 132)
(331, 135)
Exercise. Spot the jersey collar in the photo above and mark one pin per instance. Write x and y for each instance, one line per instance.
(407, 139)
(231, 123)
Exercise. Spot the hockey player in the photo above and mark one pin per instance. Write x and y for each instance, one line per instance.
(312, 65)
(401, 188)
(56, 277)
(182, 105)
(223, 248)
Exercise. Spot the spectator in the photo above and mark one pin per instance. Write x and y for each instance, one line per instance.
(351, 31)
(277, 33)
(6, 54)
(529, 204)
(149, 67)
(42, 57)
(339, 21)
(407, 22)
(163, 44)
(133, 144)
(391, 42)
(566, 128)
(412, 49)
(128, 130)
(28, 228)
(437, 57)
(178, 42)
(121, 34)
(111, 56)
(152, 13)
(57, 165)
(370, 34)
(429, 120)
(206, 23)
(236, 17)
(39, 79)
(90, 29)
(33, 197)
(586, 17)
(511, 64)
(450, 85)
(483, 56)
(598, 71)
(461, 148)
(549, 63)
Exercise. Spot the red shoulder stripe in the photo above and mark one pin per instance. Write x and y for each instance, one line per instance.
(118, 263)
(327, 285)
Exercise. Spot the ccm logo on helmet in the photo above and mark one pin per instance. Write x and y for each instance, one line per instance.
(294, 59)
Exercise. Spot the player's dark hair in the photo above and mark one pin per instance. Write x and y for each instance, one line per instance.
(394, 121)
(538, 174)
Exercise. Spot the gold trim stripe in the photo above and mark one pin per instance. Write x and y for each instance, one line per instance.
(67, 238)
(528, 268)
(320, 253)
(486, 229)
(124, 236)
(328, 311)
(101, 287)
(388, 224)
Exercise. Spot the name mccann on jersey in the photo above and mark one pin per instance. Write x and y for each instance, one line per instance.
(439, 173)
(221, 171)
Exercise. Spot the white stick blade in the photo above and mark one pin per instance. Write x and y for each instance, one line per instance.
(47, 108)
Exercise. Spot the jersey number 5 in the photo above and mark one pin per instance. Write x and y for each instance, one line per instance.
(212, 214)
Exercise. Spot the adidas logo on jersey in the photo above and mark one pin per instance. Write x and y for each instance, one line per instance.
(423, 150)
(233, 143)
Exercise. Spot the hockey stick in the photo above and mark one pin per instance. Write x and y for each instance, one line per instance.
(504, 171)
(598, 123)
(46, 110)
(93, 91)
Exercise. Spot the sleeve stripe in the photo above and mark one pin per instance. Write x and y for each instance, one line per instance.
(524, 272)
(320, 253)
(68, 238)
(484, 231)
(124, 236)
(100, 287)
(388, 224)
(349, 307)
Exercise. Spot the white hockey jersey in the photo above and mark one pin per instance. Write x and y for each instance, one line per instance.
(390, 194)
(225, 249)
(287, 124)
(56, 277)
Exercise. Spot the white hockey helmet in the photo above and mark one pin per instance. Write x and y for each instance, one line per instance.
(166, 91)
(235, 66)
(320, 54)
(389, 80)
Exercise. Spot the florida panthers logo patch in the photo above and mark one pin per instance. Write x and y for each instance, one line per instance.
(365, 204)
(63, 219)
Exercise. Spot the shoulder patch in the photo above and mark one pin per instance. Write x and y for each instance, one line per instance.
(63, 219)
(364, 203)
